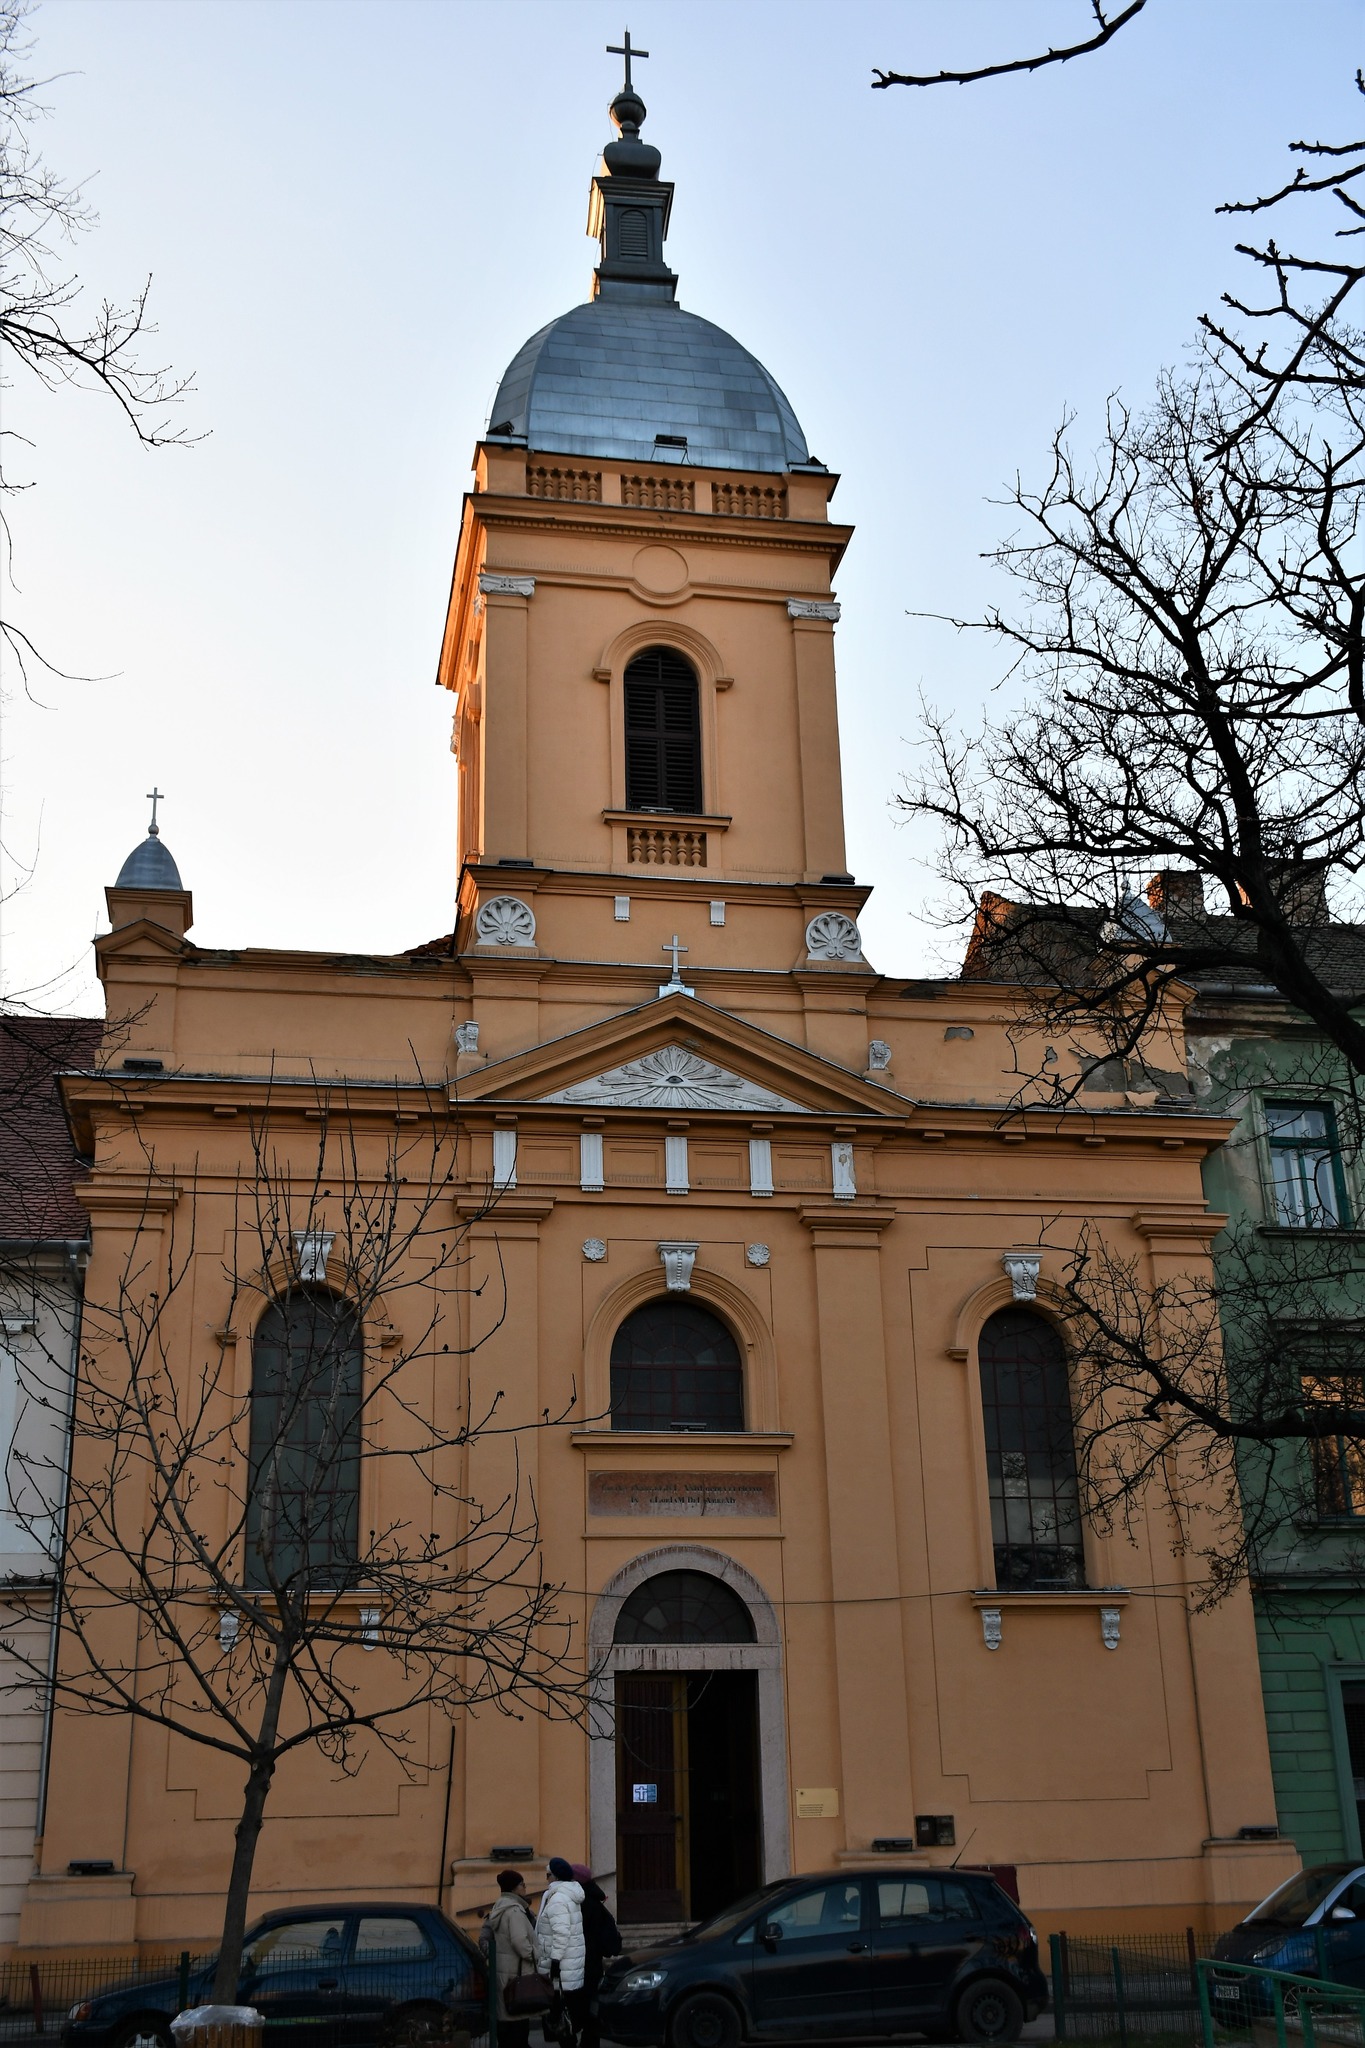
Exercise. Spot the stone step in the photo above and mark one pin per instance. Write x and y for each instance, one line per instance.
(651, 1934)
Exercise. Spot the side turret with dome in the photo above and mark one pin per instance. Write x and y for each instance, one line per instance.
(630, 376)
(149, 888)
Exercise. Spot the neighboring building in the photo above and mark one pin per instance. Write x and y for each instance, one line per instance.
(1289, 1180)
(757, 1215)
(43, 1243)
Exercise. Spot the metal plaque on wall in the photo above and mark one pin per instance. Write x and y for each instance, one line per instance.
(682, 1493)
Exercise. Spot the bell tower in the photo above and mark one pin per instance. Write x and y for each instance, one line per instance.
(640, 637)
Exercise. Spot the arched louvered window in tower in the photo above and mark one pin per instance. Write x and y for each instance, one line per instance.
(1030, 1453)
(675, 1366)
(663, 733)
(684, 1607)
(634, 233)
(303, 1511)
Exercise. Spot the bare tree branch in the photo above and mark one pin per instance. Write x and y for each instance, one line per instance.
(1107, 28)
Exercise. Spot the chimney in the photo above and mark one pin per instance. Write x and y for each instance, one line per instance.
(1177, 892)
(1301, 889)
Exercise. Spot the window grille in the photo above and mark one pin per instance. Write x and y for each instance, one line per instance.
(674, 1365)
(303, 1514)
(684, 1607)
(663, 733)
(1030, 1453)
(1307, 1190)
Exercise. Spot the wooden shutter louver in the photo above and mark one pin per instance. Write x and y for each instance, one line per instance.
(663, 733)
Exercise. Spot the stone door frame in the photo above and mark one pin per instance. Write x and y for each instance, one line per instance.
(608, 1658)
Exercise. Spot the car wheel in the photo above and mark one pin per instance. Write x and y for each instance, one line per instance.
(144, 2033)
(988, 2011)
(705, 2021)
(417, 2026)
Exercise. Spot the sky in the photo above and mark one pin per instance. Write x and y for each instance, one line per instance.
(353, 215)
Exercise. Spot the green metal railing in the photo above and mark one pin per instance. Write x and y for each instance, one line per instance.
(1304, 2008)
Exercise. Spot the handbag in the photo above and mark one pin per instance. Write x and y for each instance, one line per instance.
(527, 1995)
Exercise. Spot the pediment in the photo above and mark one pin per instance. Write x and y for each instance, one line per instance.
(679, 1054)
(672, 1077)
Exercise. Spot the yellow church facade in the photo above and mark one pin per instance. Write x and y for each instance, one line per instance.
(763, 1232)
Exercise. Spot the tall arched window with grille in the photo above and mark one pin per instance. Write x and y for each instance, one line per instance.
(674, 1365)
(303, 1512)
(1030, 1453)
(663, 733)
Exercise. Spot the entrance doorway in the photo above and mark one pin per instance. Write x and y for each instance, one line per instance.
(688, 1812)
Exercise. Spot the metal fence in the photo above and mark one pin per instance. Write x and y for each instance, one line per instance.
(1166, 1989)
(1134, 1986)
(1246, 2003)
(36, 1998)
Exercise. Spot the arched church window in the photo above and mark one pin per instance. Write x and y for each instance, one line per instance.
(663, 732)
(303, 1512)
(684, 1607)
(674, 1365)
(1030, 1452)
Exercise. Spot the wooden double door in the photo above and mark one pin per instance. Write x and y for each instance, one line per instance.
(688, 1816)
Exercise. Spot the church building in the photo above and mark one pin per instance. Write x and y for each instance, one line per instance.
(761, 1237)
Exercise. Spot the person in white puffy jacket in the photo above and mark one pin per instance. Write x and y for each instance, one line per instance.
(559, 1937)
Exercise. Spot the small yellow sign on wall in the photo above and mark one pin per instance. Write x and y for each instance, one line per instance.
(817, 1802)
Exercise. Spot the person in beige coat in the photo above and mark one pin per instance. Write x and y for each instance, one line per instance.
(512, 1929)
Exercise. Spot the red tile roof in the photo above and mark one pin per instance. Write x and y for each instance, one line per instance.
(38, 1162)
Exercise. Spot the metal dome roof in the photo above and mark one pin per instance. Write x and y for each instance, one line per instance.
(149, 866)
(608, 377)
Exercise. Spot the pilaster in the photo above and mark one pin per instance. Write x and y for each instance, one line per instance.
(869, 1674)
(822, 811)
(507, 602)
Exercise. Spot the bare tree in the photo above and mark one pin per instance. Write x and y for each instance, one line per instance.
(1190, 645)
(1177, 803)
(216, 1576)
(45, 325)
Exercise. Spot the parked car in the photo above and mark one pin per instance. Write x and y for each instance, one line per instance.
(884, 1952)
(1327, 1902)
(398, 1976)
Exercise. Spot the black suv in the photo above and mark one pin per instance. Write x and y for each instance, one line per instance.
(887, 1952)
(331, 1976)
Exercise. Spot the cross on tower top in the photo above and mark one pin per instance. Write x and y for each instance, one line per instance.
(623, 49)
(155, 796)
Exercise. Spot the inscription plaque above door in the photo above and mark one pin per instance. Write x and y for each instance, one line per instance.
(682, 1493)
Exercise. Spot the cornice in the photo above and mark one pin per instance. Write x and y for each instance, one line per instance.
(800, 536)
(679, 1445)
(128, 1194)
(1178, 1225)
(859, 1221)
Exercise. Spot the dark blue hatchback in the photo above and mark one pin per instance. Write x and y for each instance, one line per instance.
(398, 1976)
(848, 1955)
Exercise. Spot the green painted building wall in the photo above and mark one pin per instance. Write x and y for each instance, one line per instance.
(1248, 1050)
(1308, 1647)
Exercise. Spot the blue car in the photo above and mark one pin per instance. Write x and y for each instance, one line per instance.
(1322, 1907)
(365, 1976)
